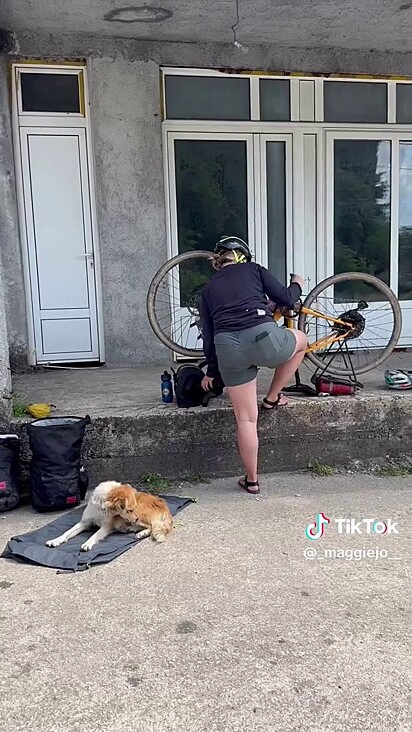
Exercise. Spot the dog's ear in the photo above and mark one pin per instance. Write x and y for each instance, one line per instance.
(115, 503)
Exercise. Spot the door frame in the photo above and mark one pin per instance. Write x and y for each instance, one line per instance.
(261, 196)
(395, 138)
(80, 134)
(55, 121)
(256, 138)
(170, 180)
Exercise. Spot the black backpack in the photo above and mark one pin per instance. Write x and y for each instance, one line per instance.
(58, 479)
(9, 472)
(189, 393)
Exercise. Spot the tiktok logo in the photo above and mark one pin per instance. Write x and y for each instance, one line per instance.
(315, 531)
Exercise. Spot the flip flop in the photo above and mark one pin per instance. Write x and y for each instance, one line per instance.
(247, 485)
(273, 405)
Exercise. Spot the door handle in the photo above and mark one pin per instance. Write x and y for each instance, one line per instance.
(89, 256)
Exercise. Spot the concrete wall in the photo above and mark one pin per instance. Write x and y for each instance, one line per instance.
(130, 200)
(5, 380)
(126, 127)
(10, 251)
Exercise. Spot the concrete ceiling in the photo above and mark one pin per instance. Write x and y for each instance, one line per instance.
(355, 24)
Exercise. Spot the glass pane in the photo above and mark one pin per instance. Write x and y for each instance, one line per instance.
(211, 191)
(276, 208)
(207, 97)
(362, 198)
(405, 222)
(274, 100)
(355, 101)
(404, 104)
(50, 93)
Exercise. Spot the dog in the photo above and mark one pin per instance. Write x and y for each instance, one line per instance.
(119, 507)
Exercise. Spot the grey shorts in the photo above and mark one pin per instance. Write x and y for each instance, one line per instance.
(240, 352)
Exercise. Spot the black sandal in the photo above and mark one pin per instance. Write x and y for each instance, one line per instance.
(247, 485)
(273, 405)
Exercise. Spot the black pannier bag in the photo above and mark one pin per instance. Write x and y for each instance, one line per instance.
(57, 478)
(188, 389)
(9, 472)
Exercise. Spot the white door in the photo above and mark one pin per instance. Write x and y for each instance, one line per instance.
(59, 238)
(211, 188)
(369, 215)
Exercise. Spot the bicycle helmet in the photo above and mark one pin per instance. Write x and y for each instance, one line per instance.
(233, 244)
(398, 379)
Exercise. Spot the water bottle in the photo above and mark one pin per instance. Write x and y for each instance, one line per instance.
(167, 387)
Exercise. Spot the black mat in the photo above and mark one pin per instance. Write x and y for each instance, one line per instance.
(31, 548)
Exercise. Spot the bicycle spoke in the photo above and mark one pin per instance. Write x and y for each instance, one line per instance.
(371, 338)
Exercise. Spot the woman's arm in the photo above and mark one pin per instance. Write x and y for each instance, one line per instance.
(207, 335)
(286, 296)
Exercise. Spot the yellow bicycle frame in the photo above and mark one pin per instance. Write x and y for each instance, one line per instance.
(322, 342)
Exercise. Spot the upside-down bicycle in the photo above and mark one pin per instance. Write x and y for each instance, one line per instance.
(351, 313)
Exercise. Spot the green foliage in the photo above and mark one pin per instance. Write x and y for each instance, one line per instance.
(320, 469)
(362, 212)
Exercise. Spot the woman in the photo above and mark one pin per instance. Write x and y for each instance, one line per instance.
(239, 334)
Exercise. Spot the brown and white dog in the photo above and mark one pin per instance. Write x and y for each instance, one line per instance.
(119, 507)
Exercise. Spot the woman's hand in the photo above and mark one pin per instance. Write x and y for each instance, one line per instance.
(207, 383)
(298, 279)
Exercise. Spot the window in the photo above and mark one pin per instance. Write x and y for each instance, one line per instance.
(274, 100)
(241, 97)
(43, 92)
(207, 97)
(404, 104)
(362, 210)
(355, 101)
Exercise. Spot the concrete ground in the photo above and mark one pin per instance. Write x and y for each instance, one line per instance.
(103, 392)
(227, 627)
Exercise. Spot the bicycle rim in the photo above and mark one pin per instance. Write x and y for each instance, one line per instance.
(336, 296)
(172, 301)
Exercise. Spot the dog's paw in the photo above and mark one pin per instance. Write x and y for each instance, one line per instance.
(52, 542)
(87, 546)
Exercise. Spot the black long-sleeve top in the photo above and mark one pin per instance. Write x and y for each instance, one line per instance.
(236, 298)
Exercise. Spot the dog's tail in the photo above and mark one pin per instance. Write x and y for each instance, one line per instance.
(162, 525)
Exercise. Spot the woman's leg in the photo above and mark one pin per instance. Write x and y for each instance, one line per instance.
(284, 373)
(244, 402)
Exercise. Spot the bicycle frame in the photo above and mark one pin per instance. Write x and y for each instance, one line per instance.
(324, 342)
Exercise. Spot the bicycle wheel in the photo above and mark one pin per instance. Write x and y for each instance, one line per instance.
(370, 309)
(173, 302)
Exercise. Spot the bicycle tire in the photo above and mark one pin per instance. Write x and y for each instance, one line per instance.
(397, 313)
(151, 299)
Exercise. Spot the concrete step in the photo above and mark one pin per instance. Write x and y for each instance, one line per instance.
(181, 443)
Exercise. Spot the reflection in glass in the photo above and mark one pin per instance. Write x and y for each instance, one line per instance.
(274, 97)
(355, 101)
(276, 208)
(405, 222)
(211, 192)
(207, 97)
(404, 104)
(362, 199)
(50, 93)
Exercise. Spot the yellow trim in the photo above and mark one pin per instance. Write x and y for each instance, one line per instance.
(82, 106)
(162, 96)
(306, 75)
(46, 62)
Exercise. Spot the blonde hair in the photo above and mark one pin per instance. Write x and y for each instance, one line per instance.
(221, 259)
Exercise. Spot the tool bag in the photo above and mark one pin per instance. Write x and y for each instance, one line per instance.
(189, 393)
(9, 472)
(58, 480)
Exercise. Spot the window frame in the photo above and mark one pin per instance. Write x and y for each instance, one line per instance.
(294, 80)
(33, 68)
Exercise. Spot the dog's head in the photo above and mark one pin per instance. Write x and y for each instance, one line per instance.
(122, 502)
